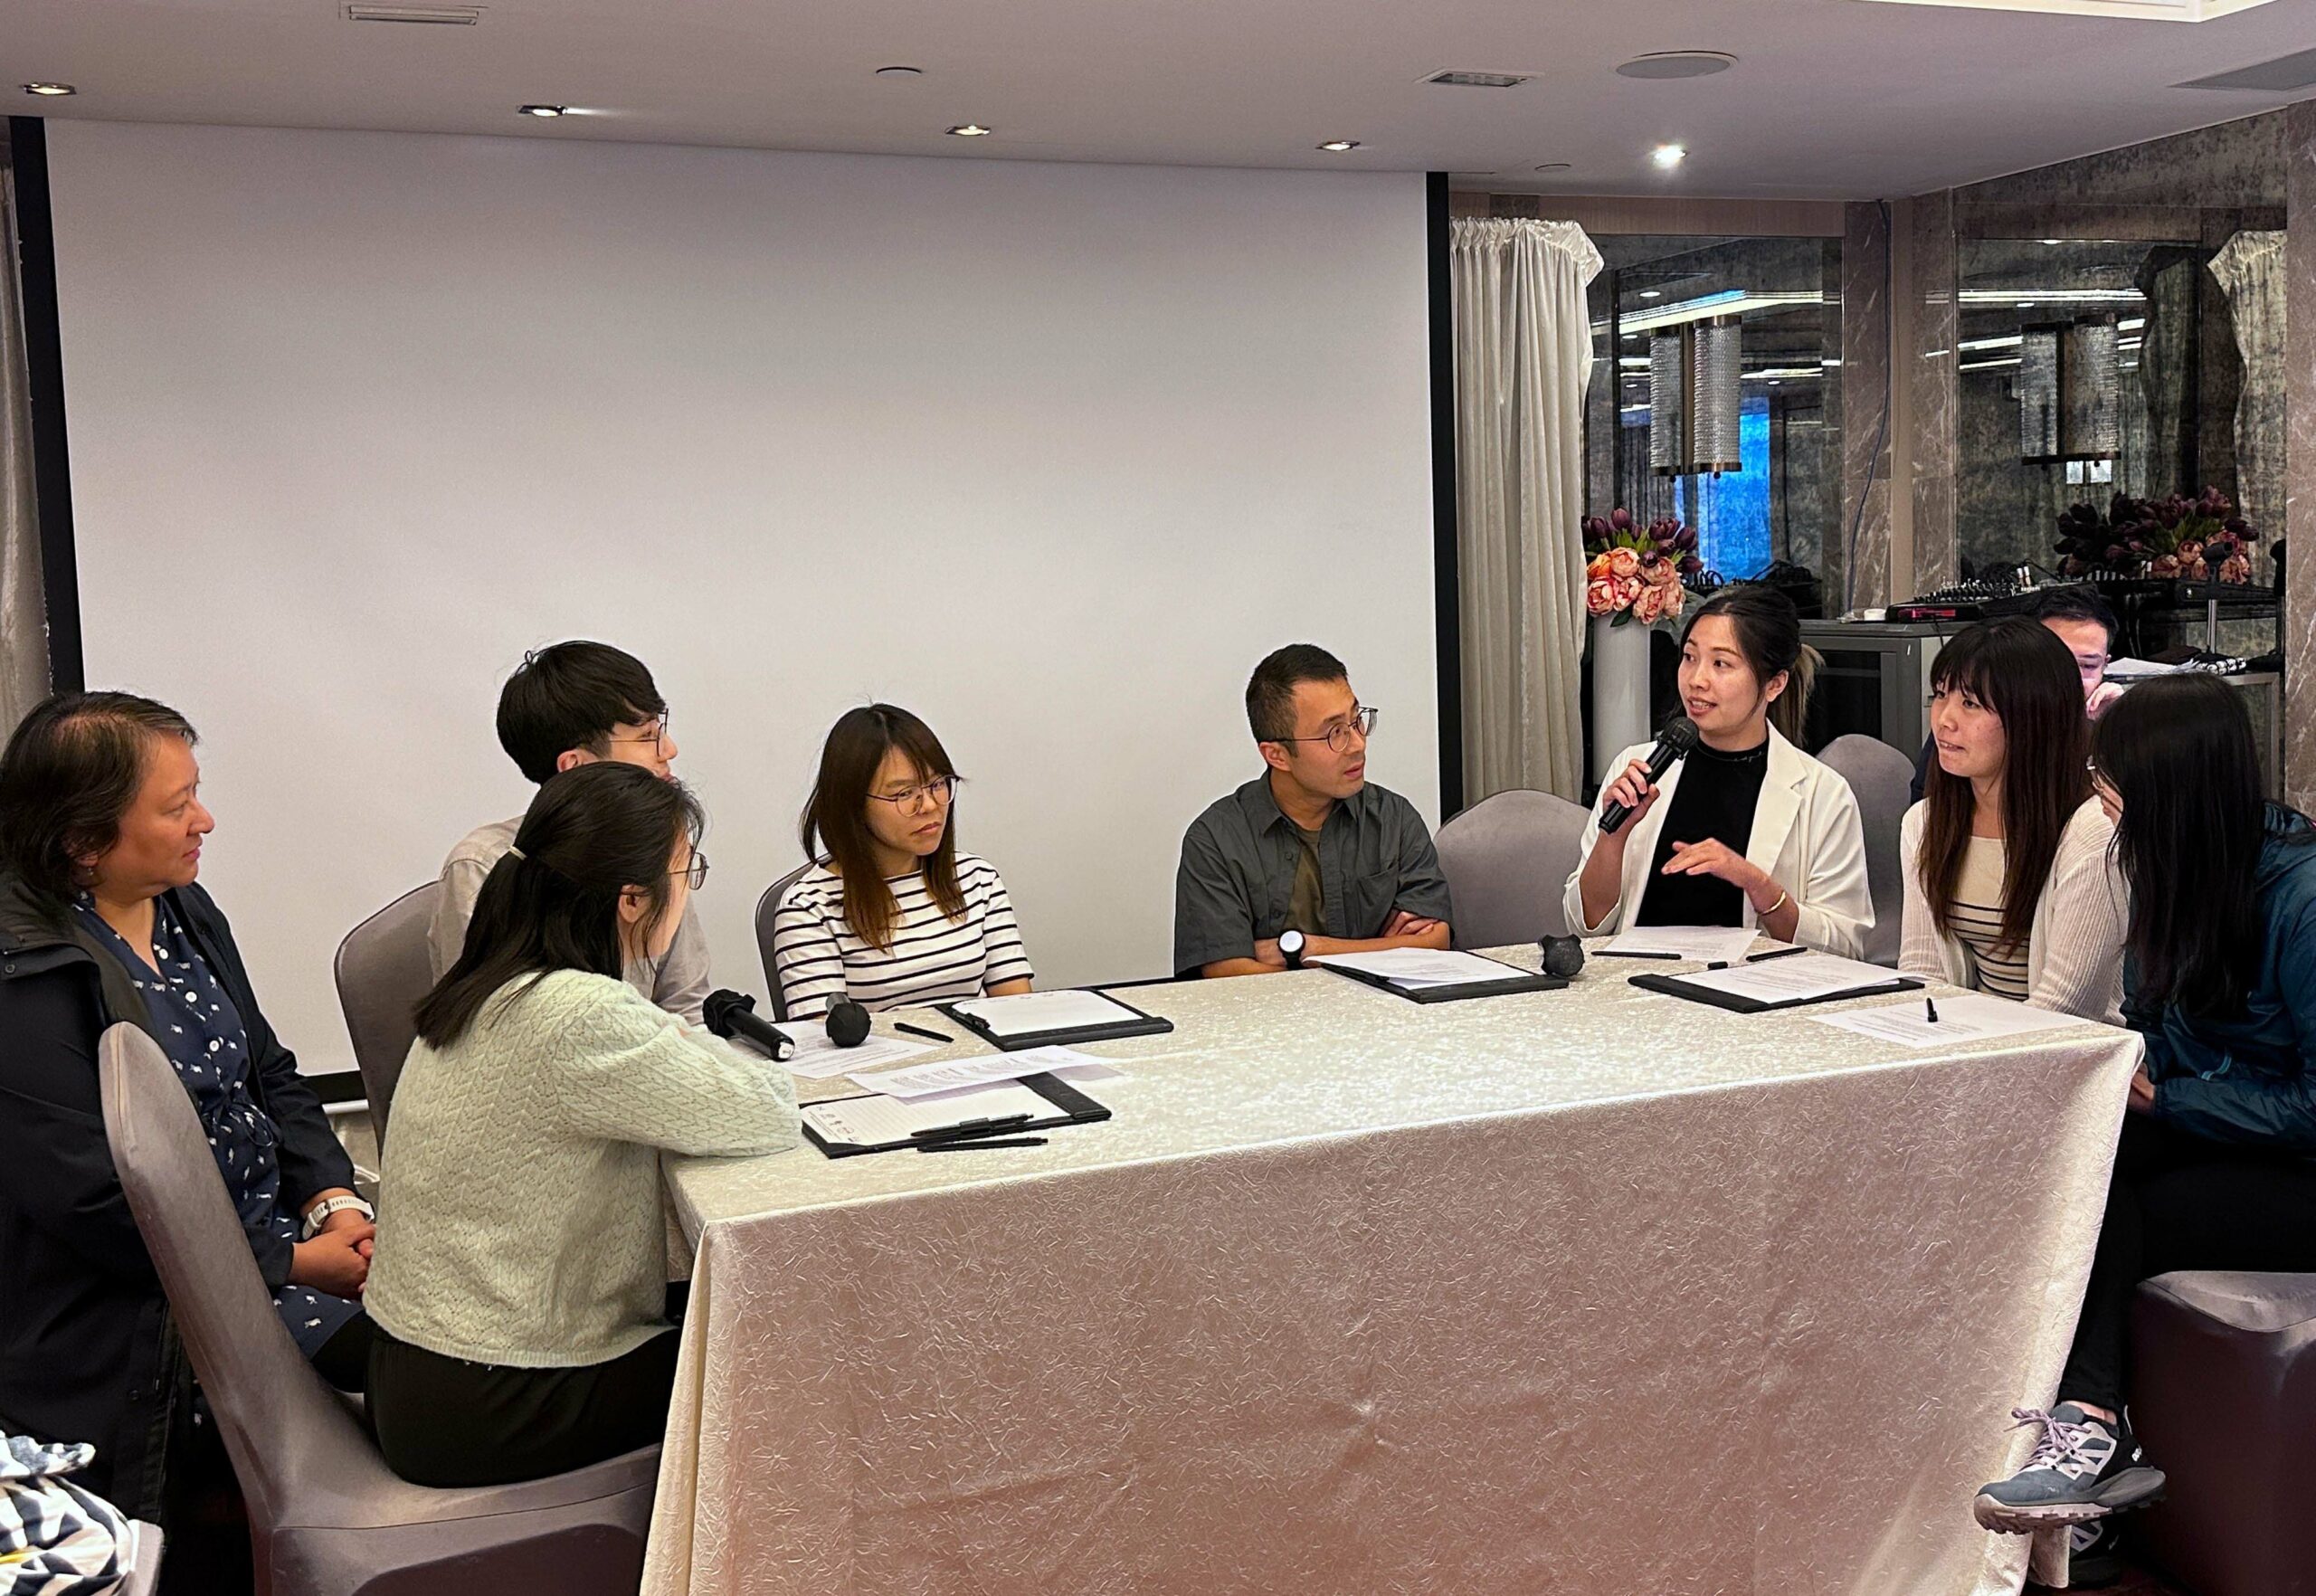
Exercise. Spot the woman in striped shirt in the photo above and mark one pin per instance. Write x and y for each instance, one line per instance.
(2011, 884)
(892, 914)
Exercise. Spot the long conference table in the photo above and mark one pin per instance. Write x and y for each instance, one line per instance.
(1588, 1290)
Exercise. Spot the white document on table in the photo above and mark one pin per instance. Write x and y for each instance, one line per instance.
(816, 1058)
(870, 1122)
(1027, 1013)
(1804, 978)
(1423, 966)
(1706, 944)
(923, 1080)
(1972, 1017)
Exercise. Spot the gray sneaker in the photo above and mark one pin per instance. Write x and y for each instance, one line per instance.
(2081, 1468)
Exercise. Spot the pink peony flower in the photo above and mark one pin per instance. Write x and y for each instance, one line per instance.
(1674, 597)
(1596, 569)
(1623, 563)
(1628, 591)
(1662, 573)
(2164, 566)
(1649, 605)
(1600, 597)
(2235, 569)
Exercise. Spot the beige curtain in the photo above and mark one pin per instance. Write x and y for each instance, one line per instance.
(23, 622)
(1523, 356)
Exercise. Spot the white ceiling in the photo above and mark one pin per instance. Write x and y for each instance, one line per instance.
(1831, 98)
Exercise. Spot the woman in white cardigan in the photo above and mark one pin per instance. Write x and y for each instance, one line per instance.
(1747, 829)
(2011, 883)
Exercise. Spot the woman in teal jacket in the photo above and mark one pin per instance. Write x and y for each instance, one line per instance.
(2217, 1168)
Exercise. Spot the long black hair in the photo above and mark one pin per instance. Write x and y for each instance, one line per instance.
(73, 768)
(552, 902)
(2178, 751)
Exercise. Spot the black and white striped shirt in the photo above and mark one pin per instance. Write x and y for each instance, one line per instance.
(932, 958)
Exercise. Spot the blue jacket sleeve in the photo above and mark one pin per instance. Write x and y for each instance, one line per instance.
(2244, 1106)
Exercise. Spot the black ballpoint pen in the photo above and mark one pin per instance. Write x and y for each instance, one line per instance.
(958, 1144)
(920, 1030)
(971, 1127)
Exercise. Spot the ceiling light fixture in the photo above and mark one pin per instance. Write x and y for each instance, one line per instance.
(969, 130)
(900, 72)
(543, 111)
(1340, 146)
(1652, 293)
(1664, 64)
(2051, 296)
(1729, 302)
(451, 16)
(1457, 78)
(1553, 166)
(2185, 11)
(2050, 240)
(51, 90)
(1668, 155)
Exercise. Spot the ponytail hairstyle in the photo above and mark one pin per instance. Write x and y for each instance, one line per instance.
(1769, 634)
(836, 817)
(593, 832)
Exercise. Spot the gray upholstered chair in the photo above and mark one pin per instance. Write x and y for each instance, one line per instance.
(382, 969)
(326, 1517)
(1880, 776)
(1507, 860)
(766, 906)
(2224, 1394)
(145, 1579)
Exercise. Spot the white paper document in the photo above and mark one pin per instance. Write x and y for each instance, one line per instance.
(1029, 1013)
(870, 1122)
(1707, 945)
(1972, 1017)
(816, 1058)
(1423, 967)
(948, 1074)
(1801, 979)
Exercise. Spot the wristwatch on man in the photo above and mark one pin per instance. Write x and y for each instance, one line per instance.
(319, 1214)
(1291, 944)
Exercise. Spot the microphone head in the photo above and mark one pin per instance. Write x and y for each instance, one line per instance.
(848, 1023)
(1680, 735)
(1563, 956)
(718, 1009)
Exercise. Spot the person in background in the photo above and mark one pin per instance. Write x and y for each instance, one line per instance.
(2217, 1168)
(520, 1279)
(1310, 847)
(566, 706)
(2085, 622)
(893, 914)
(103, 923)
(1750, 830)
(2011, 885)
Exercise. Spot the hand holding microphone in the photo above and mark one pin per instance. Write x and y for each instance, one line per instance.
(1634, 791)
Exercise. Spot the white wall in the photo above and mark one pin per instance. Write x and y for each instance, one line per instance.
(1050, 454)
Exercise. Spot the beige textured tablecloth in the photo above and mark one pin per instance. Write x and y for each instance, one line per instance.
(1593, 1290)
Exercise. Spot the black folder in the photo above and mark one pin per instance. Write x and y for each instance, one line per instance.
(1675, 986)
(1141, 1024)
(1071, 1107)
(1514, 979)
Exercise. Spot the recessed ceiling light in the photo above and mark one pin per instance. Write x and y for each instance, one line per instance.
(969, 130)
(543, 111)
(2025, 304)
(1652, 293)
(1668, 155)
(1553, 166)
(900, 72)
(2050, 240)
(1339, 146)
(1678, 63)
(2187, 11)
(49, 88)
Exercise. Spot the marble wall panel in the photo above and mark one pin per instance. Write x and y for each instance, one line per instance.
(1857, 560)
(2299, 455)
(1936, 408)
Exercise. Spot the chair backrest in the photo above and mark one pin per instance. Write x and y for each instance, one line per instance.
(280, 1424)
(1880, 776)
(766, 906)
(1507, 860)
(382, 969)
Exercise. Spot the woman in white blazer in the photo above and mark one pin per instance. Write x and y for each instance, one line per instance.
(2011, 883)
(1748, 830)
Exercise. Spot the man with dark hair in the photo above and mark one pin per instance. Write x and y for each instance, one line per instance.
(2083, 621)
(569, 705)
(1309, 850)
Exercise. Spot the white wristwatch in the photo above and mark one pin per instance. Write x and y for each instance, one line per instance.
(330, 1206)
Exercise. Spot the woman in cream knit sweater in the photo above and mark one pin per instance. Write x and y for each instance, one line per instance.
(518, 1285)
(2011, 884)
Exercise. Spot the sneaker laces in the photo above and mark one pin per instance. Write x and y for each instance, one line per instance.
(2060, 1442)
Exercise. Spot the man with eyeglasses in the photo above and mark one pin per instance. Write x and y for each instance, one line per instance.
(569, 705)
(1310, 856)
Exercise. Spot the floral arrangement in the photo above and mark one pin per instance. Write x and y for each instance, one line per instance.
(1633, 572)
(2197, 538)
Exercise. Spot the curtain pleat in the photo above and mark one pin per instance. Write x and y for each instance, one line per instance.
(24, 617)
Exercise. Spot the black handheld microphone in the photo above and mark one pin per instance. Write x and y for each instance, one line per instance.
(848, 1023)
(1563, 956)
(734, 1013)
(1673, 743)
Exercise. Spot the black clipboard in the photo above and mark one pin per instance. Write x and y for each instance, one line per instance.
(1676, 986)
(1514, 980)
(1141, 1024)
(1071, 1107)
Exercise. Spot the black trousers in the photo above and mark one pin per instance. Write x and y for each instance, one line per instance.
(2178, 1201)
(443, 1421)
